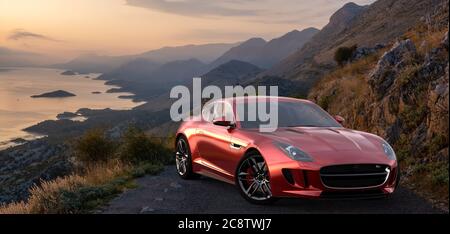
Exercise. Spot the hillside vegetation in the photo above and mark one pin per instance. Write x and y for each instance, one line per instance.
(366, 26)
(102, 168)
(401, 93)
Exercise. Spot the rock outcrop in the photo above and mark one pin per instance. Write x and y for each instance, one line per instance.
(366, 26)
(390, 64)
(402, 96)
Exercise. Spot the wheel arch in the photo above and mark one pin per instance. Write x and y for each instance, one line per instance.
(177, 137)
(251, 150)
(246, 153)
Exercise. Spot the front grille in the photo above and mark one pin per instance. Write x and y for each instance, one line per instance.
(354, 176)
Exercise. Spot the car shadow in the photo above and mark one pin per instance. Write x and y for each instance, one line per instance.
(402, 201)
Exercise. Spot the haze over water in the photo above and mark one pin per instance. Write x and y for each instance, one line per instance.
(18, 110)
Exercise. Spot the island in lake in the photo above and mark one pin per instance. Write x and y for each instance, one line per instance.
(96, 92)
(67, 115)
(55, 94)
(68, 73)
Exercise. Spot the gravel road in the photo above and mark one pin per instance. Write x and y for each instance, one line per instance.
(167, 193)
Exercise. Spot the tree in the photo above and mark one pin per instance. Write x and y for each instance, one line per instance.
(94, 147)
(344, 54)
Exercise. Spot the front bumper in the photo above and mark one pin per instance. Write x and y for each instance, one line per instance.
(294, 179)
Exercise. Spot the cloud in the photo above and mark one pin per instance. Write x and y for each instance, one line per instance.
(262, 11)
(196, 7)
(20, 34)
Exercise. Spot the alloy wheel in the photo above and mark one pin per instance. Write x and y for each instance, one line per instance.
(182, 157)
(253, 178)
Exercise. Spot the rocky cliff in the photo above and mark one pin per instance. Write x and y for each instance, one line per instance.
(401, 93)
(380, 22)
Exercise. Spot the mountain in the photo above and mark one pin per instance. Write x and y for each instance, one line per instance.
(146, 71)
(204, 53)
(17, 58)
(100, 64)
(302, 59)
(246, 51)
(231, 73)
(264, 54)
(146, 79)
(132, 70)
(402, 94)
(365, 26)
(279, 48)
(92, 63)
(177, 72)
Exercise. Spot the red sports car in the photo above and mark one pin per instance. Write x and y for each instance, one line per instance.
(310, 154)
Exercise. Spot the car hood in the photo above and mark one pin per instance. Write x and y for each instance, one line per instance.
(314, 139)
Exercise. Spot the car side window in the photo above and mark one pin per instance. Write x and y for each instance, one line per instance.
(228, 111)
(208, 112)
(217, 110)
(223, 110)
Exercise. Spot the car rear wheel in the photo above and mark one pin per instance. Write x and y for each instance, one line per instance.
(253, 179)
(183, 159)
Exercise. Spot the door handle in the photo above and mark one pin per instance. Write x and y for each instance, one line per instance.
(235, 146)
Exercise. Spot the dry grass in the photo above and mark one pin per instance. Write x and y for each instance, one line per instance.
(346, 92)
(425, 39)
(45, 198)
(357, 69)
(99, 176)
(101, 173)
(348, 82)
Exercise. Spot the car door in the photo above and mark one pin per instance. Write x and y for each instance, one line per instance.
(214, 143)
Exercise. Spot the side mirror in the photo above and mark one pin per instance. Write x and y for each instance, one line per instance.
(224, 123)
(339, 119)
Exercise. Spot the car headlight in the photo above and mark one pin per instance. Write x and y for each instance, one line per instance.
(294, 152)
(389, 151)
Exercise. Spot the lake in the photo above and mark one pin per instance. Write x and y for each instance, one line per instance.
(18, 110)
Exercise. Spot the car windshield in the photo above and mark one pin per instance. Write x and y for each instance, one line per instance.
(290, 114)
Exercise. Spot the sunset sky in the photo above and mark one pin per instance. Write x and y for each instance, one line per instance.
(67, 28)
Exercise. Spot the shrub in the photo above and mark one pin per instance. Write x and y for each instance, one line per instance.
(437, 143)
(45, 199)
(325, 101)
(101, 177)
(439, 175)
(94, 147)
(73, 193)
(138, 147)
(344, 54)
(413, 115)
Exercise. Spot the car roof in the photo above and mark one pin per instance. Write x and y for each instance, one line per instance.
(263, 98)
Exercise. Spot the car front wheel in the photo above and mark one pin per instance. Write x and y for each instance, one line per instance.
(253, 179)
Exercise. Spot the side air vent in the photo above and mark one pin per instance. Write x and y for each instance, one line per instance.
(288, 175)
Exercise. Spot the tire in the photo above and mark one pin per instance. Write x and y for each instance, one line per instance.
(253, 179)
(183, 159)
